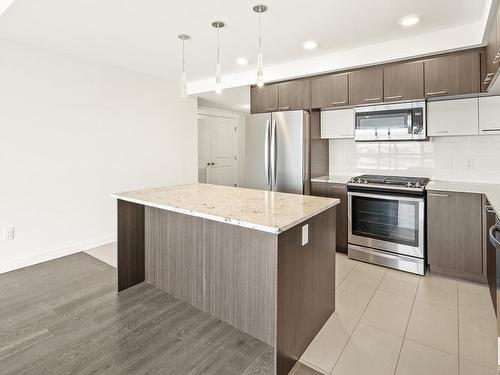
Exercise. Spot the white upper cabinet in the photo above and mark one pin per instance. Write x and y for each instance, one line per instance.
(453, 117)
(489, 115)
(337, 123)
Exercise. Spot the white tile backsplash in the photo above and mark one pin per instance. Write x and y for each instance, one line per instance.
(441, 158)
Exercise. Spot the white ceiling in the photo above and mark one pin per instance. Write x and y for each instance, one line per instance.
(142, 35)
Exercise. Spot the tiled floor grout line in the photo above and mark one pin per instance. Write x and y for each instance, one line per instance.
(406, 328)
(359, 320)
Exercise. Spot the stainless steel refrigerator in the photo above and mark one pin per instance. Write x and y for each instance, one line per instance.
(277, 152)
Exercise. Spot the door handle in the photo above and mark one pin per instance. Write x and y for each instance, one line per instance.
(436, 93)
(340, 103)
(439, 195)
(271, 109)
(395, 97)
(266, 151)
(284, 108)
(273, 153)
(372, 99)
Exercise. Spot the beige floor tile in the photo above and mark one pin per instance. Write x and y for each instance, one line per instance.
(343, 265)
(107, 253)
(475, 299)
(478, 340)
(389, 312)
(418, 359)
(434, 326)
(369, 351)
(351, 299)
(470, 368)
(438, 291)
(326, 347)
(366, 274)
(400, 283)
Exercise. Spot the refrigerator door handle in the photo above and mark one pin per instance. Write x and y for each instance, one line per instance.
(273, 154)
(266, 152)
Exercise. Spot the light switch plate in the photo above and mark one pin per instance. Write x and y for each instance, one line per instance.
(305, 234)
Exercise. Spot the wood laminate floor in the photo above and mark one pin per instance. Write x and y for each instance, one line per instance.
(65, 317)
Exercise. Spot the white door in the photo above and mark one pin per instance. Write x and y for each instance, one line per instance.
(217, 150)
(203, 150)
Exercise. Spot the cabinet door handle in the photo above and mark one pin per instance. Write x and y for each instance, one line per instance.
(491, 130)
(439, 195)
(372, 99)
(442, 132)
(436, 93)
(340, 103)
(283, 108)
(271, 109)
(395, 97)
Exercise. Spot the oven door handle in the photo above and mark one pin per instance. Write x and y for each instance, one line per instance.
(384, 196)
(493, 239)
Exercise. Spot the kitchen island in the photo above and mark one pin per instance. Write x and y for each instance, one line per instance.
(262, 261)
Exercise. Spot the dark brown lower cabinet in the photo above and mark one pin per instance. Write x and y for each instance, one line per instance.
(455, 235)
(338, 191)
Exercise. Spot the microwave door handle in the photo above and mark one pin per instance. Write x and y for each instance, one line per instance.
(409, 121)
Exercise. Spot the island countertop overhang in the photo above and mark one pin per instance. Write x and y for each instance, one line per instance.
(266, 211)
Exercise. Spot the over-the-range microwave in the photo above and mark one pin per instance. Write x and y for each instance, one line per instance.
(391, 122)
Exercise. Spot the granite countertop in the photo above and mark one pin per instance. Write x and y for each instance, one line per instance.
(492, 191)
(256, 209)
(332, 179)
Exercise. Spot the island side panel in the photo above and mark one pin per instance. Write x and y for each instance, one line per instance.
(306, 286)
(174, 254)
(226, 270)
(130, 244)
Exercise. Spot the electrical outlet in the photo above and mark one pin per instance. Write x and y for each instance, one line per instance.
(469, 163)
(8, 234)
(305, 234)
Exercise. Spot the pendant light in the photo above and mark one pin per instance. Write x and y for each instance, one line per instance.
(259, 9)
(218, 84)
(183, 38)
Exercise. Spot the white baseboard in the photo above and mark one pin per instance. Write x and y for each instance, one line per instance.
(15, 264)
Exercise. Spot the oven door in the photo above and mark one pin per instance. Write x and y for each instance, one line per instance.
(387, 222)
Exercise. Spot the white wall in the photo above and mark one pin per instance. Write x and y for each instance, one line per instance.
(442, 158)
(72, 132)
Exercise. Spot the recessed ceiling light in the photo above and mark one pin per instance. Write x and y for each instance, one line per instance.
(310, 44)
(242, 61)
(409, 20)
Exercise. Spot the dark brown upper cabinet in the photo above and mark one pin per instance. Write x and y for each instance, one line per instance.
(264, 99)
(492, 53)
(452, 75)
(366, 86)
(404, 81)
(294, 95)
(330, 91)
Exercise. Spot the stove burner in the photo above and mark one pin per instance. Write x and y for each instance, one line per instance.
(402, 181)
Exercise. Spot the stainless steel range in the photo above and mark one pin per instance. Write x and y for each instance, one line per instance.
(387, 221)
